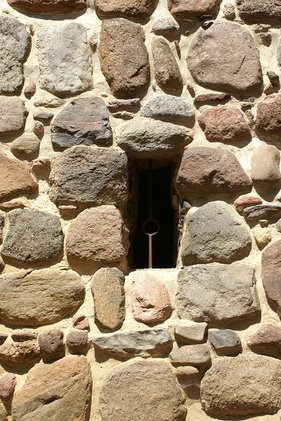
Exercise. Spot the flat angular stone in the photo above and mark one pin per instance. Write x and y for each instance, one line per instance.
(225, 342)
(259, 10)
(187, 375)
(193, 8)
(84, 121)
(271, 272)
(64, 58)
(142, 343)
(53, 6)
(239, 387)
(142, 390)
(125, 8)
(265, 165)
(98, 235)
(224, 124)
(215, 233)
(18, 353)
(252, 213)
(198, 355)
(268, 121)
(77, 341)
(166, 69)
(168, 108)
(123, 57)
(40, 297)
(51, 344)
(33, 236)
(12, 114)
(109, 297)
(190, 334)
(210, 98)
(7, 386)
(26, 146)
(245, 201)
(23, 335)
(266, 340)
(15, 42)
(217, 294)
(224, 57)
(150, 299)
(165, 25)
(205, 170)
(58, 391)
(92, 176)
(145, 138)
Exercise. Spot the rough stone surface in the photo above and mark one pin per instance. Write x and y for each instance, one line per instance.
(53, 6)
(193, 8)
(124, 393)
(165, 25)
(190, 334)
(210, 98)
(81, 322)
(7, 386)
(23, 335)
(109, 298)
(169, 108)
(64, 58)
(77, 341)
(26, 146)
(13, 53)
(150, 299)
(259, 10)
(239, 387)
(61, 390)
(224, 124)
(265, 165)
(186, 375)
(33, 236)
(143, 343)
(245, 201)
(40, 297)
(224, 57)
(266, 340)
(51, 344)
(205, 170)
(252, 213)
(225, 342)
(215, 233)
(123, 57)
(12, 114)
(262, 236)
(217, 294)
(2, 220)
(197, 355)
(93, 176)
(125, 8)
(144, 138)
(268, 121)
(84, 121)
(271, 272)
(22, 353)
(3, 337)
(166, 69)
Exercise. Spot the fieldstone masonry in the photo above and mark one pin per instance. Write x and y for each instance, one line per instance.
(90, 92)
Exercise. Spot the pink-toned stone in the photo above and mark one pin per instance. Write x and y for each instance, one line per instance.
(7, 385)
(266, 340)
(77, 341)
(245, 201)
(150, 302)
(30, 90)
(193, 8)
(268, 121)
(81, 322)
(50, 6)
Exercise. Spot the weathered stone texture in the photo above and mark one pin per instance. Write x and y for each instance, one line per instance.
(197, 355)
(265, 165)
(263, 211)
(168, 108)
(245, 201)
(259, 10)
(98, 235)
(123, 57)
(125, 8)
(215, 233)
(17, 353)
(193, 8)
(242, 386)
(217, 294)
(166, 69)
(14, 41)
(7, 386)
(165, 25)
(93, 176)
(64, 58)
(224, 57)
(51, 344)
(268, 121)
(26, 146)
(225, 342)
(35, 298)
(84, 121)
(12, 115)
(61, 390)
(51, 6)
(33, 236)
(271, 272)
(205, 170)
(190, 334)
(224, 124)
(125, 396)
(109, 297)
(266, 340)
(77, 341)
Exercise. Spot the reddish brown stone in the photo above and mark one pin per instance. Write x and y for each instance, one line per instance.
(268, 121)
(224, 124)
(81, 322)
(77, 341)
(30, 89)
(271, 273)
(245, 201)
(259, 10)
(193, 8)
(125, 8)
(7, 385)
(22, 335)
(266, 340)
(210, 98)
(22, 353)
(50, 6)
(51, 344)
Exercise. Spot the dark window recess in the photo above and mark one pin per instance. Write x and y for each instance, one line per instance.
(152, 212)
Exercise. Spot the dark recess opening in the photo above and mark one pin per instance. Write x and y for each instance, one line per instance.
(162, 211)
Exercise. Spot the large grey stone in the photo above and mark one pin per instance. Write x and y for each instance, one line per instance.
(224, 57)
(242, 386)
(33, 236)
(169, 108)
(14, 46)
(12, 115)
(84, 121)
(217, 294)
(36, 298)
(143, 343)
(259, 10)
(93, 176)
(64, 58)
(145, 138)
(215, 233)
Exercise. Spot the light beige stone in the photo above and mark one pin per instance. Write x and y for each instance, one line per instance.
(265, 165)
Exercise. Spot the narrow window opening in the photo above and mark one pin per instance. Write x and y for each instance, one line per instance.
(151, 212)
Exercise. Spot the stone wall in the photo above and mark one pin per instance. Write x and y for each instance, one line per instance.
(88, 94)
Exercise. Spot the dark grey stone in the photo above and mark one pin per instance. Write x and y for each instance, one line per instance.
(225, 342)
(262, 212)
